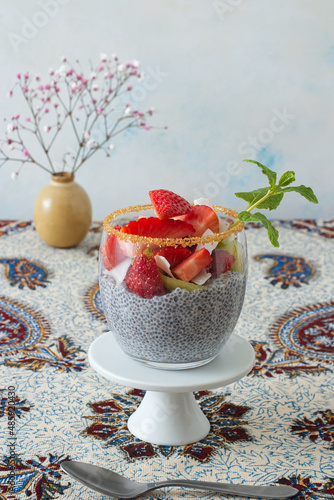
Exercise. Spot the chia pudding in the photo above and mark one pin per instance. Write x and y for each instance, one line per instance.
(179, 328)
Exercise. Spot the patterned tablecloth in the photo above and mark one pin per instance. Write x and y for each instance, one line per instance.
(276, 425)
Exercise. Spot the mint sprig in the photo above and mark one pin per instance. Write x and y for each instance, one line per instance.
(270, 198)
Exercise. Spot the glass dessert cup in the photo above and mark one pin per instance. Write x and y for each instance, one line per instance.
(187, 324)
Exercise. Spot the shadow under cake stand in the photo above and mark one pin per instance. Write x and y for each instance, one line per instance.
(169, 413)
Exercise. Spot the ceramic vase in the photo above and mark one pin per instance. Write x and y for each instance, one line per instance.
(62, 212)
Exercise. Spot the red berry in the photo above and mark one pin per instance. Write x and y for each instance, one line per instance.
(144, 278)
(111, 252)
(190, 267)
(221, 263)
(159, 228)
(168, 204)
(174, 255)
(202, 218)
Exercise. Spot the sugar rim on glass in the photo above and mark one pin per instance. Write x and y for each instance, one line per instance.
(185, 242)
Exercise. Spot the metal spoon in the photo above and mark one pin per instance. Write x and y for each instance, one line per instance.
(108, 482)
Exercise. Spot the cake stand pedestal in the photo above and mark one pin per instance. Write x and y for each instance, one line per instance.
(169, 414)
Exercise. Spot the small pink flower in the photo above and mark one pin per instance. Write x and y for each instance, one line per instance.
(47, 128)
(26, 76)
(51, 71)
(130, 87)
(25, 152)
(103, 57)
(47, 110)
(18, 75)
(10, 93)
(47, 86)
(70, 72)
(25, 89)
(28, 119)
(134, 72)
(57, 89)
(110, 91)
(147, 127)
(16, 117)
(94, 101)
(56, 105)
(40, 87)
(101, 67)
(99, 110)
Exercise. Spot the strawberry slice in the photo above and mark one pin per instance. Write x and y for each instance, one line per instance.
(111, 252)
(168, 204)
(190, 267)
(174, 255)
(159, 228)
(201, 218)
(222, 262)
(144, 278)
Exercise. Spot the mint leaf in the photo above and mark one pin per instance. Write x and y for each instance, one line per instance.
(272, 201)
(272, 232)
(266, 171)
(287, 178)
(307, 192)
(253, 196)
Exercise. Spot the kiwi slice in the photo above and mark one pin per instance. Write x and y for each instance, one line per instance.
(172, 283)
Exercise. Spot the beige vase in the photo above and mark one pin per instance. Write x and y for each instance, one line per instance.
(62, 212)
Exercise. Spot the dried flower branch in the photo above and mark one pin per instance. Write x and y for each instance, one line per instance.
(94, 108)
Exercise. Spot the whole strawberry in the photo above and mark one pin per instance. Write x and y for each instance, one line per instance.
(144, 278)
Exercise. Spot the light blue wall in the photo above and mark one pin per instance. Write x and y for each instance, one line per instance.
(231, 78)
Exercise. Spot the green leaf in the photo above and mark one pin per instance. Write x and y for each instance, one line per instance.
(272, 232)
(307, 192)
(253, 196)
(287, 178)
(272, 201)
(266, 171)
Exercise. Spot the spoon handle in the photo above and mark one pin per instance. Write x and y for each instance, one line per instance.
(231, 489)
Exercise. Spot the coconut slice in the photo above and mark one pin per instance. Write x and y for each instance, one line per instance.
(201, 277)
(209, 246)
(203, 201)
(163, 264)
(118, 273)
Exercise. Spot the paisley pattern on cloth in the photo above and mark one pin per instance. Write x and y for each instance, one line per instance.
(93, 302)
(287, 270)
(21, 327)
(24, 333)
(22, 272)
(227, 421)
(307, 331)
(302, 343)
(320, 428)
(39, 478)
(273, 426)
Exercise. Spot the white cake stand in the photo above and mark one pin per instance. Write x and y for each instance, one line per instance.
(169, 414)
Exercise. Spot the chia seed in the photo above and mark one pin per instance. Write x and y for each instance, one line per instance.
(180, 327)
